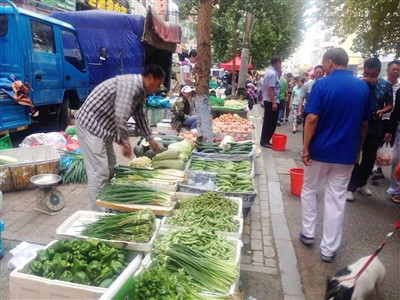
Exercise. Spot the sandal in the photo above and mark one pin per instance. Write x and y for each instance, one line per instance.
(396, 199)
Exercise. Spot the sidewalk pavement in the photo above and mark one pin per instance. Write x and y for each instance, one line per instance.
(268, 266)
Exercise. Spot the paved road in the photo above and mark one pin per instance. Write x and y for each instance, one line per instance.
(366, 223)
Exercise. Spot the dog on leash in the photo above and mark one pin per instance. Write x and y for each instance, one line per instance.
(343, 285)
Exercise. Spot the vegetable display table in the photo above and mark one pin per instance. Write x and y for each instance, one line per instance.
(217, 111)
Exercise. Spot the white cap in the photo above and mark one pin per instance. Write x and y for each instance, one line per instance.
(187, 89)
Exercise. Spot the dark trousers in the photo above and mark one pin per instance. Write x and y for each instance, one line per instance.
(361, 171)
(286, 109)
(270, 120)
(386, 129)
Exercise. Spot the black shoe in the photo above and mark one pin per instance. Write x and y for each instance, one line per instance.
(278, 124)
(286, 120)
(381, 176)
(375, 176)
(266, 145)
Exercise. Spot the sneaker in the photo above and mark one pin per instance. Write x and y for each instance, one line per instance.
(375, 176)
(306, 240)
(286, 120)
(278, 124)
(349, 196)
(364, 190)
(327, 259)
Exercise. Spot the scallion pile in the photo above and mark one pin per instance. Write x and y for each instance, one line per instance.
(131, 192)
(137, 227)
(72, 168)
(210, 274)
(152, 175)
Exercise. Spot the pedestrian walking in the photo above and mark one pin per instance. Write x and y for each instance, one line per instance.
(393, 73)
(338, 110)
(103, 117)
(271, 91)
(394, 189)
(294, 102)
(282, 98)
(291, 84)
(381, 98)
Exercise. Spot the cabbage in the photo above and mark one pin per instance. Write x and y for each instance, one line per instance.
(184, 148)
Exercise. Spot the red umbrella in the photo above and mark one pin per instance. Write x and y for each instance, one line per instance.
(228, 65)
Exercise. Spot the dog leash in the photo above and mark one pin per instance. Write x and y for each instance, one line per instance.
(390, 234)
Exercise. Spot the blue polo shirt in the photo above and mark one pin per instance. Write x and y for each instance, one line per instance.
(341, 102)
(271, 79)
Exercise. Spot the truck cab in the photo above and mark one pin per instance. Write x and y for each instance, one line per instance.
(45, 55)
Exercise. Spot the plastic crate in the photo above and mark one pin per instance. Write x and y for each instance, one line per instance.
(25, 286)
(31, 161)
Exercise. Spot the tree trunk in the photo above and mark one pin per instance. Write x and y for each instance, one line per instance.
(237, 16)
(245, 51)
(203, 65)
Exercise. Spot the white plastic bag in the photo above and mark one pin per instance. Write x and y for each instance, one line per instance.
(384, 156)
(22, 253)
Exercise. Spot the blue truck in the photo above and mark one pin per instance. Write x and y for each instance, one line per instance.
(46, 56)
(61, 58)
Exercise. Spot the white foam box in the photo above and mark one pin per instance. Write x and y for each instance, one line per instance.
(166, 129)
(73, 227)
(238, 234)
(26, 286)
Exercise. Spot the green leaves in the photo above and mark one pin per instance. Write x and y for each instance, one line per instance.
(374, 23)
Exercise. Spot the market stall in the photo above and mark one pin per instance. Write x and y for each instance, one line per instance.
(221, 106)
(175, 228)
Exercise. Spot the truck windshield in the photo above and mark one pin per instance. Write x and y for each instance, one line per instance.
(72, 50)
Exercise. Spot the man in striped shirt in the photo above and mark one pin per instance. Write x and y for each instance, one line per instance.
(103, 117)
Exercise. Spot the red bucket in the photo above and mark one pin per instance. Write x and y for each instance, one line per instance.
(296, 180)
(279, 141)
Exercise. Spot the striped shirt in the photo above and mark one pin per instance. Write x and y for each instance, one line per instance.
(109, 106)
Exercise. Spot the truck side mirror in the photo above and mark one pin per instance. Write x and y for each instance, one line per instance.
(103, 53)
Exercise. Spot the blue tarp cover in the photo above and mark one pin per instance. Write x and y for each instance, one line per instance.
(120, 34)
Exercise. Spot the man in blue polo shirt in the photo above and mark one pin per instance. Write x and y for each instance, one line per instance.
(338, 110)
(270, 91)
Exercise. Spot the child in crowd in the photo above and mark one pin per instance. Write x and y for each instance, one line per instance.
(294, 101)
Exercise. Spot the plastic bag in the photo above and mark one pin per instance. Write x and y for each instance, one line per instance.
(157, 102)
(5, 142)
(39, 139)
(22, 253)
(70, 130)
(384, 156)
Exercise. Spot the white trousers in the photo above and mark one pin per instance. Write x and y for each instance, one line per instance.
(337, 179)
(100, 160)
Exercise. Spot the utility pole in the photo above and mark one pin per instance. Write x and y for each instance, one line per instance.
(245, 51)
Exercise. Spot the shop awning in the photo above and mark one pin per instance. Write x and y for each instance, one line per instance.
(228, 65)
(160, 34)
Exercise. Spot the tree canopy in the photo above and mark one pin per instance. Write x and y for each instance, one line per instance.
(277, 27)
(375, 23)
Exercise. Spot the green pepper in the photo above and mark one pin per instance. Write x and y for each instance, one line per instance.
(50, 275)
(93, 269)
(42, 255)
(75, 244)
(62, 246)
(85, 248)
(102, 248)
(106, 283)
(121, 257)
(79, 265)
(47, 267)
(50, 252)
(94, 255)
(78, 255)
(92, 242)
(105, 273)
(110, 255)
(81, 278)
(116, 267)
(67, 256)
(66, 276)
(62, 266)
(57, 258)
(30, 272)
(36, 267)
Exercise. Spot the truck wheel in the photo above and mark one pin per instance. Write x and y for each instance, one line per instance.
(64, 117)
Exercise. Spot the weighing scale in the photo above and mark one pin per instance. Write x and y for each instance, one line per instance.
(49, 200)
